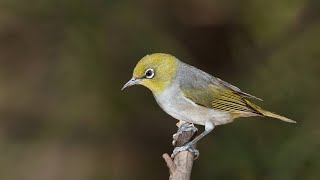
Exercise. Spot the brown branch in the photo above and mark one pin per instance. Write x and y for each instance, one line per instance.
(180, 166)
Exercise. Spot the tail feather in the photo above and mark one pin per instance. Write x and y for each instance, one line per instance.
(268, 113)
(273, 115)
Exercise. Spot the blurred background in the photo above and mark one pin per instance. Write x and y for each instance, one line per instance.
(63, 63)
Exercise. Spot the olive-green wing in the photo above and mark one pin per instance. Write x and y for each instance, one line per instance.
(227, 100)
(237, 90)
(220, 98)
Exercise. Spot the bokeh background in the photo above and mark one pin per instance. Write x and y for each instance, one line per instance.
(63, 63)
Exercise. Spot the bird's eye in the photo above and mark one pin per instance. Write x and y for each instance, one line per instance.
(149, 73)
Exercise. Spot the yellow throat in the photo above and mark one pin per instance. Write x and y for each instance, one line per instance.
(164, 67)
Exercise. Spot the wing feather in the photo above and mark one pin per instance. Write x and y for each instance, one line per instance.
(208, 91)
(237, 90)
(219, 98)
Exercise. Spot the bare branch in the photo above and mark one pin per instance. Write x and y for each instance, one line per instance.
(181, 166)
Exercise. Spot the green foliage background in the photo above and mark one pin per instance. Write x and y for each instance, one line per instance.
(63, 62)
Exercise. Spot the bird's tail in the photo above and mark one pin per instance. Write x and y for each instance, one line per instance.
(268, 113)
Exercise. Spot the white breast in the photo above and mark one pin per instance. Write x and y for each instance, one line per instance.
(173, 102)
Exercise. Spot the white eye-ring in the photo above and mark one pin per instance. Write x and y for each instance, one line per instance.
(149, 73)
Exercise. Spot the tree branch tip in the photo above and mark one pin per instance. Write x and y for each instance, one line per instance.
(170, 163)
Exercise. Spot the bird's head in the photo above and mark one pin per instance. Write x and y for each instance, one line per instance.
(155, 71)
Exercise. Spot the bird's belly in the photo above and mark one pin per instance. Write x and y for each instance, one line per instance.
(184, 109)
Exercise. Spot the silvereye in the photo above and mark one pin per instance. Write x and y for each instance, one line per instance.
(193, 96)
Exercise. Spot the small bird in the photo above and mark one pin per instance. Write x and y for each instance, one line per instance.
(191, 95)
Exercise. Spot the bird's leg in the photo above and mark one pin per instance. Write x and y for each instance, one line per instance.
(185, 127)
(209, 126)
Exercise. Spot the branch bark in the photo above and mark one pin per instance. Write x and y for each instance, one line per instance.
(180, 166)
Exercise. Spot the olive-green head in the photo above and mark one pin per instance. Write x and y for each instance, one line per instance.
(155, 71)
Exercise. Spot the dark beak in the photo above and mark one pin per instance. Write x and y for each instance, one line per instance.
(131, 82)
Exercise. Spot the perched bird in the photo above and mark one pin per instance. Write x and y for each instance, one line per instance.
(194, 96)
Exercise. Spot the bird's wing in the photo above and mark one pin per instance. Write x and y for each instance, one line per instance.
(237, 90)
(220, 96)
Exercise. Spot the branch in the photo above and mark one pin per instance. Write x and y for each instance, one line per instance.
(181, 166)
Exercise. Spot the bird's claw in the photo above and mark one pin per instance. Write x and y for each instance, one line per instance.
(186, 147)
(183, 128)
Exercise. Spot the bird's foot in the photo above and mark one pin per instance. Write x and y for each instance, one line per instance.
(186, 147)
(183, 128)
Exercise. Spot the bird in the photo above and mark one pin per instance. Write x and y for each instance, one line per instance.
(193, 96)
